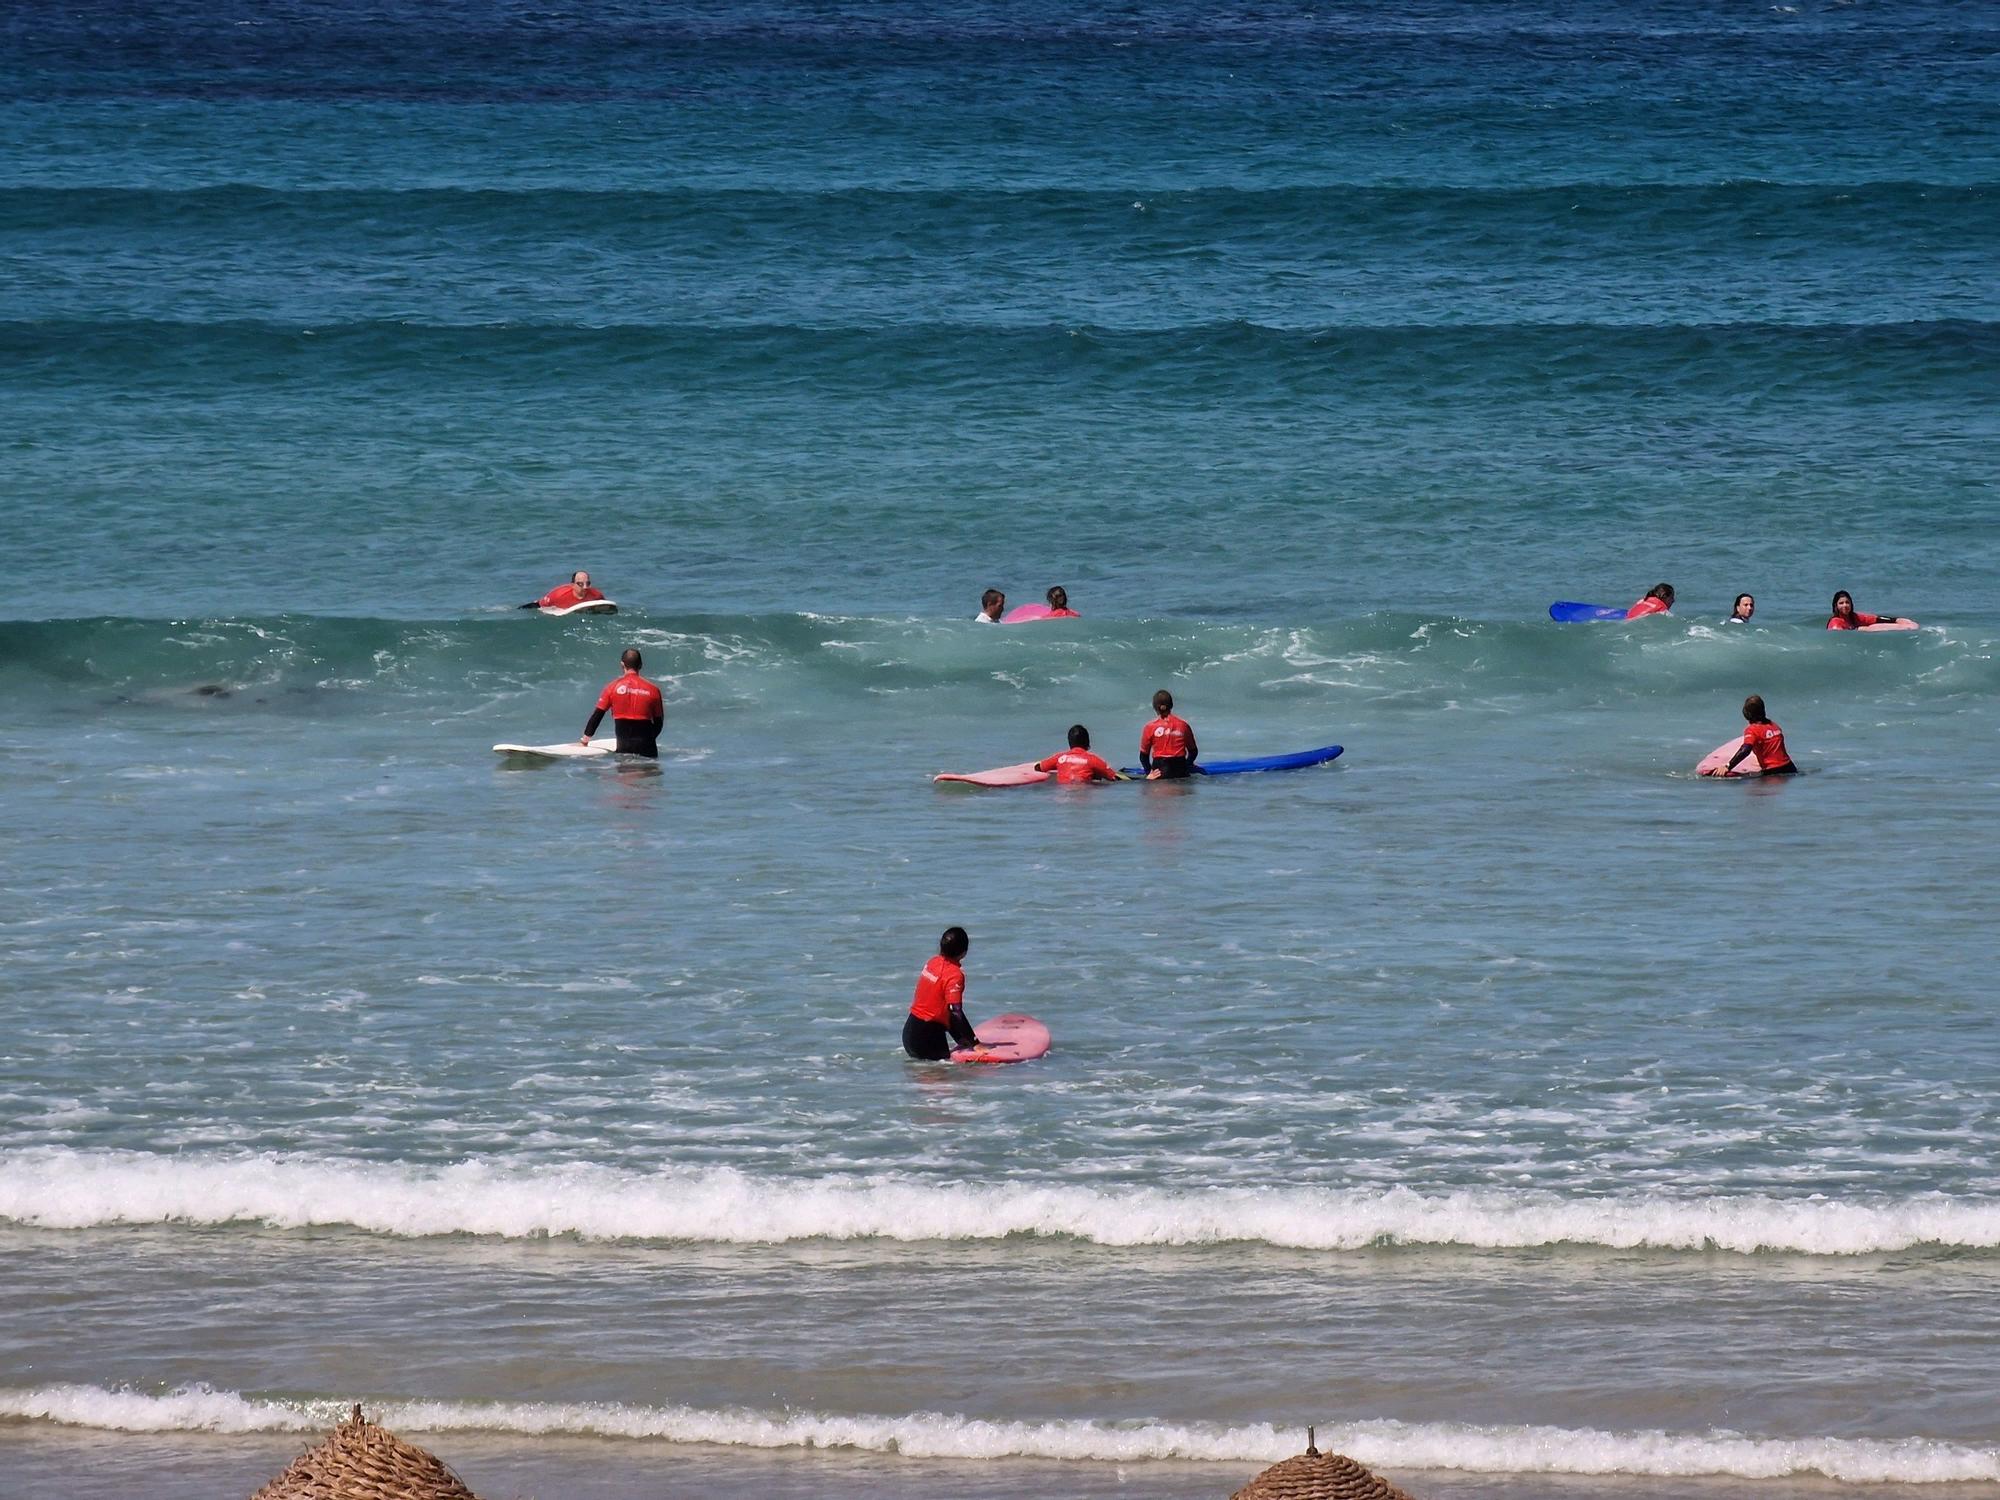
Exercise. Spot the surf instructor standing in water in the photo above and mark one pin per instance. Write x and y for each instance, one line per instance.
(637, 709)
(936, 1023)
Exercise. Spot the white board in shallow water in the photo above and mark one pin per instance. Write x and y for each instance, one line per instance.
(588, 607)
(564, 750)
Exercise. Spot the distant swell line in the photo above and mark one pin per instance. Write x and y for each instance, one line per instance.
(64, 1189)
(1511, 1449)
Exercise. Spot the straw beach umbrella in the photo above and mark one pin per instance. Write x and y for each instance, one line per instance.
(1314, 1475)
(363, 1461)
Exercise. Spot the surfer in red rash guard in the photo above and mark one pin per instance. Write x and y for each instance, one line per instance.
(1078, 763)
(936, 1021)
(1167, 750)
(1847, 617)
(1059, 609)
(1658, 601)
(637, 710)
(563, 595)
(1763, 739)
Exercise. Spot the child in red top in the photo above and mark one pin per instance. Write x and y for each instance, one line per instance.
(1059, 605)
(1658, 601)
(1167, 750)
(1847, 617)
(1078, 763)
(937, 1012)
(1763, 739)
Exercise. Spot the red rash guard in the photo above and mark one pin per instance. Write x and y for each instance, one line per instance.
(1768, 740)
(1646, 606)
(1167, 737)
(940, 987)
(632, 697)
(1853, 622)
(563, 596)
(1063, 614)
(1078, 765)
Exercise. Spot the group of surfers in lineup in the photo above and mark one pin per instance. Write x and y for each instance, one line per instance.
(1659, 600)
(936, 1025)
(1761, 736)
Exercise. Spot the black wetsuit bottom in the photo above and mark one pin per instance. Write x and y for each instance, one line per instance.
(1173, 767)
(638, 737)
(930, 1041)
(926, 1041)
(1787, 769)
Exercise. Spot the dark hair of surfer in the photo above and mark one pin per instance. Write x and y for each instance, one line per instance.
(1661, 591)
(632, 660)
(1163, 702)
(1079, 737)
(954, 943)
(1843, 594)
(1058, 597)
(991, 597)
(1753, 709)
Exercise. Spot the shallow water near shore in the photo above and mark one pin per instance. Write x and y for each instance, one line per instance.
(1532, 1117)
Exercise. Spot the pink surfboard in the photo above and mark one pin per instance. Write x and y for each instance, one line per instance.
(1713, 762)
(1892, 625)
(1024, 774)
(1021, 613)
(1009, 1039)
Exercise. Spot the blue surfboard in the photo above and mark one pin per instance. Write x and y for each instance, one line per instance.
(1297, 760)
(1570, 613)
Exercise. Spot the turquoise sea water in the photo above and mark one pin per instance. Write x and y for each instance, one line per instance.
(1536, 1119)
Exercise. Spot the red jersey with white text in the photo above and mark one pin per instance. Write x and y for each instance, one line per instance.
(1078, 765)
(564, 595)
(1646, 606)
(1166, 737)
(939, 987)
(1768, 740)
(1853, 622)
(632, 697)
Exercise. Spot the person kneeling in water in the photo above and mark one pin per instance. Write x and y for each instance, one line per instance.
(936, 1025)
(1079, 762)
(637, 710)
(1763, 739)
(1167, 750)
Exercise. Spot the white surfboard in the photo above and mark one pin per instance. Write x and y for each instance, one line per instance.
(566, 750)
(588, 607)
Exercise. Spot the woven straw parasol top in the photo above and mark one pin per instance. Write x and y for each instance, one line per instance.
(1314, 1475)
(362, 1461)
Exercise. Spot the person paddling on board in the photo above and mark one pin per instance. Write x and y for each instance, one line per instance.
(563, 595)
(1059, 605)
(1847, 617)
(1078, 763)
(1741, 611)
(1167, 750)
(992, 605)
(637, 710)
(936, 1025)
(1763, 739)
(1659, 600)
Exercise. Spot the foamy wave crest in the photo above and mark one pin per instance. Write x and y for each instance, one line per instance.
(1396, 1445)
(63, 1189)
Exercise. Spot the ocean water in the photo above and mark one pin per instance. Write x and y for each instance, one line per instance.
(1528, 1115)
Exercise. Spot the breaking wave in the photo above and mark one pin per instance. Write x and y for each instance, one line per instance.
(64, 1189)
(1509, 1449)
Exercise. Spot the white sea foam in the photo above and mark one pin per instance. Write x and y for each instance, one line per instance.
(1388, 1444)
(56, 1188)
